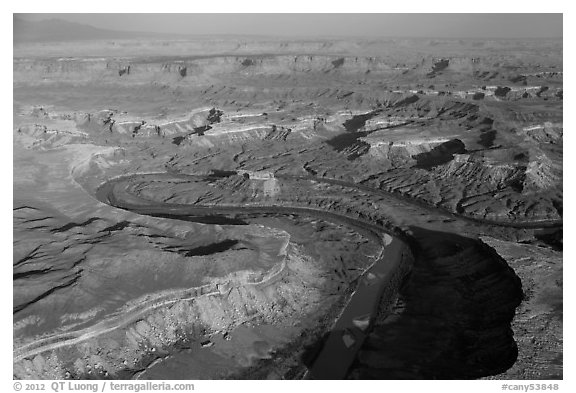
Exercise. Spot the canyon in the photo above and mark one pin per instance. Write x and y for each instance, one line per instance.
(254, 209)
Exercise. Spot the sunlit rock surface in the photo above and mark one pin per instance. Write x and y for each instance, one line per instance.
(207, 209)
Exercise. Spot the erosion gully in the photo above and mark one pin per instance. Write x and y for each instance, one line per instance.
(354, 323)
(352, 326)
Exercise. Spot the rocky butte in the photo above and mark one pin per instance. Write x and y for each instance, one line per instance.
(229, 208)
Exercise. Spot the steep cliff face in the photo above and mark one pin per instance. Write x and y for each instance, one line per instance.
(183, 71)
(539, 357)
(143, 287)
(407, 136)
(452, 317)
(186, 70)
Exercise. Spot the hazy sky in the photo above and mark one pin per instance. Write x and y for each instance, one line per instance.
(371, 25)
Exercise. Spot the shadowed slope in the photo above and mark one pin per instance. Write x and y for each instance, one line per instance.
(452, 319)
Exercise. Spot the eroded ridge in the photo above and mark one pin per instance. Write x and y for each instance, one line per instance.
(224, 209)
(135, 312)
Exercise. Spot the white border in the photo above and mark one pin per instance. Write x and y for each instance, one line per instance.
(231, 6)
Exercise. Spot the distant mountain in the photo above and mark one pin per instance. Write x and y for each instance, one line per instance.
(61, 30)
